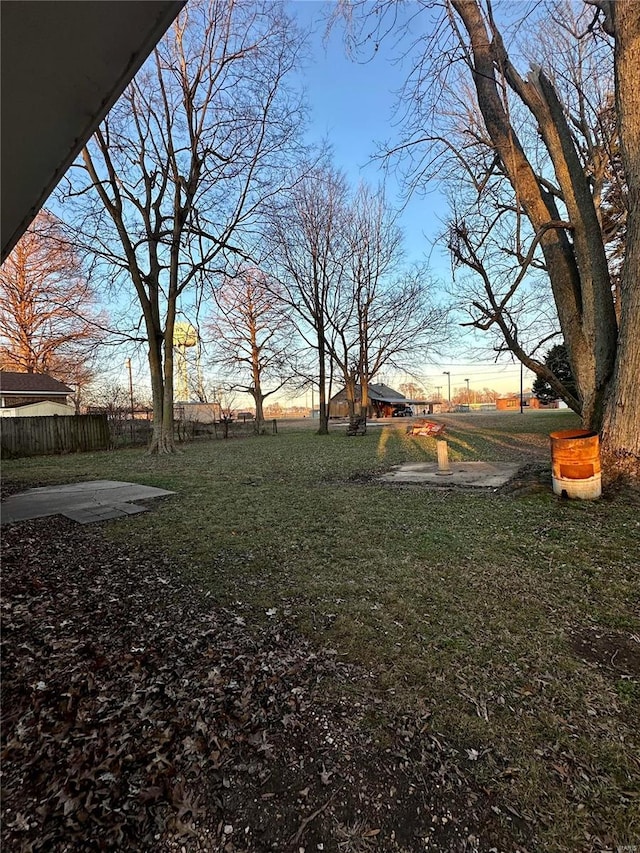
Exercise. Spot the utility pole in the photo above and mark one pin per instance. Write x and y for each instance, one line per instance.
(439, 389)
(447, 373)
(521, 389)
(131, 395)
(468, 395)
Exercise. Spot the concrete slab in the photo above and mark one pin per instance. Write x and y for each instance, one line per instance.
(95, 500)
(489, 475)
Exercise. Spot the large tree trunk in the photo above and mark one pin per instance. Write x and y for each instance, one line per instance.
(256, 391)
(350, 394)
(577, 269)
(621, 426)
(161, 372)
(258, 399)
(323, 428)
(593, 333)
(157, 389)
(364, 396)
(605, 359)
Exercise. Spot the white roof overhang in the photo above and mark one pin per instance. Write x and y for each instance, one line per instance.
(64, 65)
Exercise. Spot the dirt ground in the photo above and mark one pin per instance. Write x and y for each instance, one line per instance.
(139, 715)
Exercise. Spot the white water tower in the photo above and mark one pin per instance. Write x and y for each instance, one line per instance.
(185, 341)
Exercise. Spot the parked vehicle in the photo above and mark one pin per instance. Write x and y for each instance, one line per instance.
(402, 412)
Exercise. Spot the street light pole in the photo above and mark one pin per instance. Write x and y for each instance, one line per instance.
(447, 373)
(468, 395)
(521, 389)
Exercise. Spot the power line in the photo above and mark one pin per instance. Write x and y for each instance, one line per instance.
(487, 364)
(476, 377)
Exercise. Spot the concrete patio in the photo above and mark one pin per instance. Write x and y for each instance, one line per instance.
(489, 475)
(96, 500)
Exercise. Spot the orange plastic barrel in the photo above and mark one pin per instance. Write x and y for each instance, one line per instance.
(575, 464)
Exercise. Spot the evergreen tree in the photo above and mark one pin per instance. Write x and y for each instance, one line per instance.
(557, 361)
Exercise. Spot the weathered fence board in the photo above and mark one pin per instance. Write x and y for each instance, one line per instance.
(42, 436)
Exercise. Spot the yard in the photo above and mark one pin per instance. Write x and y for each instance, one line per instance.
(467, 662)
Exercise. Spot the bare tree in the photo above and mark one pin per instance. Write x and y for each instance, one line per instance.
(340, 261)
(225, 397)
(412, 390)
(49, 319)
(391, 317)
(308, 261)
(491, 236)
(254, 337)
(556, 199)
(171, 182)
(486, 395)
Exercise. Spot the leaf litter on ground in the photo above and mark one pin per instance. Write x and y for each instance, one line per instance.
(139, 715)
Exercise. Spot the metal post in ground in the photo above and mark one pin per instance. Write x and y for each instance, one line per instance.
(443, 458)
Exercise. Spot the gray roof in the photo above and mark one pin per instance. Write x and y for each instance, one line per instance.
(31, 383)
(377, 392)
(385, 394)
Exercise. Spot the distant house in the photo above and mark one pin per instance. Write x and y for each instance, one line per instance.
(383, 401)
(512, 402)
(33, 394)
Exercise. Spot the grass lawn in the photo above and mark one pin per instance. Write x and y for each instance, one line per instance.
(511, 618)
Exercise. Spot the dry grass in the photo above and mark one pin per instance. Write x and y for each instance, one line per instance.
(512, 619)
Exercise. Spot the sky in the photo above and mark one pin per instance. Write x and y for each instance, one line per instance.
(352, 106)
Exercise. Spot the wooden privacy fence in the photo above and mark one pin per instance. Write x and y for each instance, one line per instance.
(42, 436)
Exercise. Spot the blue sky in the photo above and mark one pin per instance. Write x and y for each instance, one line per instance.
(352, 106)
